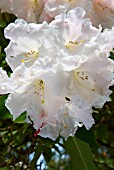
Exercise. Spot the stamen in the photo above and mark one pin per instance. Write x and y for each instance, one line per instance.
(64, 124)
(42, 101)
(83, 76)
(70, 44)
(39, 89)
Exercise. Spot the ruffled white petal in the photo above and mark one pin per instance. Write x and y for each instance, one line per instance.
(7, 85)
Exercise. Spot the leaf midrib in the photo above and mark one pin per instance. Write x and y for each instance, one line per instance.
(75, 142)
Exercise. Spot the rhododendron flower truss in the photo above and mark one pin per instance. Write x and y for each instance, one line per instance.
(29, 10)
(60, 70)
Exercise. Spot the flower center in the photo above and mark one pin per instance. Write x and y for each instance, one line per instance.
(37, 8)
(80, 75)
(32, 55)
(72, 44)
(83, 80)
(39, 89)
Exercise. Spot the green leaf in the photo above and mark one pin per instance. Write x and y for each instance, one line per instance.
(4, 113)
(112, 55)
(2, 101)
(21, 118)
(3, 24)
(80, 153)
(47, 153)
(87, 136)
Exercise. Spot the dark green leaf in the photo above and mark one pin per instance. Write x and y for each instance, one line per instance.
(47, 153)
(4, 113)
(2, 24)
(80, 152)
(112, 55)
(87, 136)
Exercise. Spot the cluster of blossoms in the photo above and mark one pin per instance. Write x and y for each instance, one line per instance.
(60, 69)
(99, 11)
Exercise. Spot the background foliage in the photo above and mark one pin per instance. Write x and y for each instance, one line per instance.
(19, 149)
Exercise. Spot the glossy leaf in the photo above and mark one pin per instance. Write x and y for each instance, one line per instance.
(80, 153)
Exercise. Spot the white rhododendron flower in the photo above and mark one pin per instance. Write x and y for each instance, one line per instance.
(29, 42)
(102, 13)
(56, 7)
(33, 95)
(29, 10)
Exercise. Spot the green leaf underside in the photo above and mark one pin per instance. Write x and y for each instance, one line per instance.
(80, 153)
